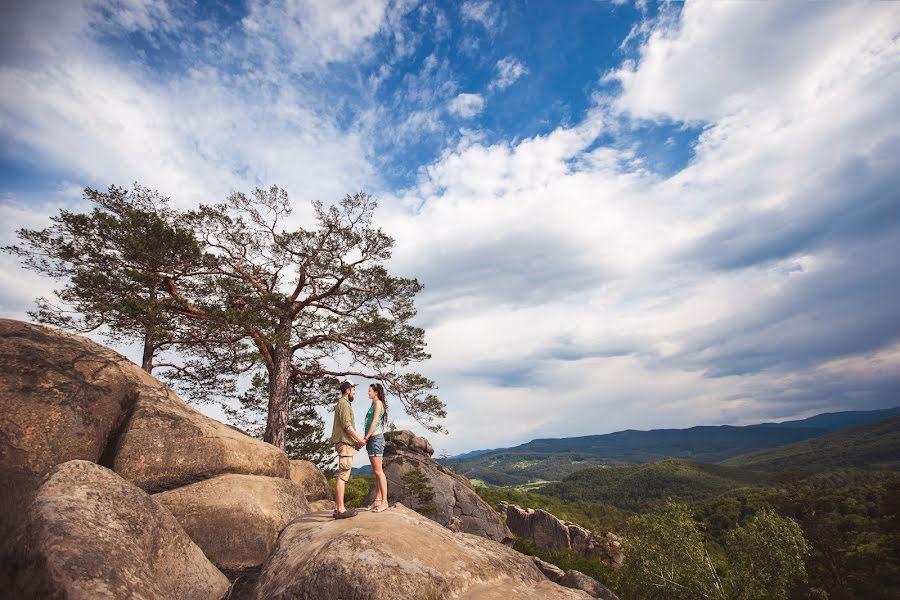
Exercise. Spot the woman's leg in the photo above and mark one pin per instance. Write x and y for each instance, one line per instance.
(377, 471)
(380, 479)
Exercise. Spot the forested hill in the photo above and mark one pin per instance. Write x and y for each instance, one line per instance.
(837, 421)
(553, 459)
(872, 446)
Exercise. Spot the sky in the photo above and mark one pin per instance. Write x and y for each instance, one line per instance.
(625, 215)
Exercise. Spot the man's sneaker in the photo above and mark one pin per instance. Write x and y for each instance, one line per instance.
(350, 512)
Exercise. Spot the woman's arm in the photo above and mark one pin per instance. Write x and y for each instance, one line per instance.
(375, 417)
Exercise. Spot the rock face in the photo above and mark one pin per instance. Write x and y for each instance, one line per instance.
(235, 519)
(90, 534)
(431, 489)
(62, 397)
(551, 572)
(167, 444)
(311, 480)
(396, 554)
(549, 532)
(579, 581)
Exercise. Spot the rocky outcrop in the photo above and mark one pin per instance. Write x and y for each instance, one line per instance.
(550, 532)
(322, 505)
(551, 572)
(167, 444)
(64, 397)
(579, 581)
(88, 533)
(431, 489)
(235, 519)
(396, 554)
(311, 480)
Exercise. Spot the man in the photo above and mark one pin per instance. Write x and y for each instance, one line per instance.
(346, 442)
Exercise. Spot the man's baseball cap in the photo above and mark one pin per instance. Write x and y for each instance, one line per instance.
(346, 385)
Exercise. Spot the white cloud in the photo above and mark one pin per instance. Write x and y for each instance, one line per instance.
(712, 60)
(466, 105)
(315, 33)
(484, 12)
(509, 70)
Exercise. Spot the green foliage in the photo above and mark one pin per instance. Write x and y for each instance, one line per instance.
(592, 515)
(665, 558)
(355, 491)
(854, 534)
(116, 264)
(567, 559)
(872, 446)
(640, 487)
(417, 482)
(765, 558)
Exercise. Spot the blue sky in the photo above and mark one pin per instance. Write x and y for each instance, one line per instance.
(626, 215)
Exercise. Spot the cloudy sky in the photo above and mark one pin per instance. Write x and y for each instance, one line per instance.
(625, 216)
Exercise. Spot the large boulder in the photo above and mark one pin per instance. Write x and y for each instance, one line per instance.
(311, 480)
(167, 444)
(88, 533)
(396, 554)
(62, 397)
(550, 532)
(417, 481)
(235, 519)
(579, 581)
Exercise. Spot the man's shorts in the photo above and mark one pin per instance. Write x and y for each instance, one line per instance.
(345, 454)
(375, 445)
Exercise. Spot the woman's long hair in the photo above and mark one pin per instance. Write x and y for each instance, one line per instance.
(379, 389)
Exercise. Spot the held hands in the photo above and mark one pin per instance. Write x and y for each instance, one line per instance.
(361, 443)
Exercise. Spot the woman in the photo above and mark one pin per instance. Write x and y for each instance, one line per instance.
(375, 420)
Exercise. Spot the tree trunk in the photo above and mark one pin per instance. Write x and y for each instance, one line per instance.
(279, 396)
(147, 359)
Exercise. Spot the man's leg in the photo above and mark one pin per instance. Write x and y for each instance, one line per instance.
(339, 494)
(345, 464)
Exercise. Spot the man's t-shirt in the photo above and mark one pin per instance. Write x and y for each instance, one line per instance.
(343, 417)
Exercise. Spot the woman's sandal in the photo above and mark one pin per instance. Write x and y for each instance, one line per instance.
(381, 507)
(375, 505)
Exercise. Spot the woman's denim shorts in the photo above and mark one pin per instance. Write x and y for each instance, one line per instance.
(375, 445)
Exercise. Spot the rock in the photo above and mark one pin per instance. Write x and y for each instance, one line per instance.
(62, 397)
(410, 440)
(579, 581)
(395, 554)
(320, 505)
(552, 572)
(550, 532)
(88, 533)
(311, 480)
(167, 444)
(235, 519)
(431, 489)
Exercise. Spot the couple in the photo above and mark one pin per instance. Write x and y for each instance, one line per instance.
(346, 441)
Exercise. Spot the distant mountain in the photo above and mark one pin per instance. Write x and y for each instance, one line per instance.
(554, 459)
(871, 446)
(474, 453)
(837, 421)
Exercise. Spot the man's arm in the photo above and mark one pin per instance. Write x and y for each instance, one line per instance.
(352, 433)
